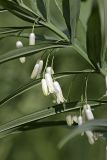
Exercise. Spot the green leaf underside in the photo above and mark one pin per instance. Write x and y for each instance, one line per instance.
(94, 36)
(23, 123)
(20, 11)
(41, 7)
(36, 82)
(71, 11)
(94, 125)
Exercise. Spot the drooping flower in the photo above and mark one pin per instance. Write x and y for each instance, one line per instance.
(90, 136)
(88, 113)
(49, 70)
(32, 38)
(19, 44)
(80, 121)
(49, 82)
(35, 71)
(58, 92)
(44, 87)
(22, 59)
(40, 66)
(69, 120)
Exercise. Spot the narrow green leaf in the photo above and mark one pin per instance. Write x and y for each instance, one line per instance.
(22, 123)
(71, 9)
(15, 125)
(74, 15)
(95, 125)
(20, 11)
(47, 7)
(94, 42)
(66, 14)
(79, 49)
(27, 51)
(36, 82)
(41, 7)
(59, 5)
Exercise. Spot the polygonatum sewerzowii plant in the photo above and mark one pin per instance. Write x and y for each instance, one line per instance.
(70, 40)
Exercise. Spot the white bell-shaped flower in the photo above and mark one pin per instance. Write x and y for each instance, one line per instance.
(49, 82)
(90, 137)
(69, 120)
(19, 44)
(49, 70)
(88, 112)
(32, 38)
(44, 87)
(35, 71)
(57, 87)
(80, 121)
(22, 59)
(40, 66)
(58, 92)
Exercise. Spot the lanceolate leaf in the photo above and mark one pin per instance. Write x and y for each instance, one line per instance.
(36, 82)
(27, 51)
(17, 124)
(95, 125)
(20, 11)
(6, 30)
(59, 5)
(74, 15)
(66, 14)
(28, 122)
(94, 42)
(71, 9)
(104, 21)
(41, 7)
(47, 6)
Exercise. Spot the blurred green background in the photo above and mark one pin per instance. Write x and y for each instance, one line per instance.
(41, 144)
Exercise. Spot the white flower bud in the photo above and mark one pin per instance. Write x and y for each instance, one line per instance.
(58, 92)
(90, 136)
(40, 66)
(32, 38)
(80, 122)
(35, 71)
(88, 112)
(49, 70)
(19, 44)
(44, 87)
(22, 59)
(49, 82)
(69, 120)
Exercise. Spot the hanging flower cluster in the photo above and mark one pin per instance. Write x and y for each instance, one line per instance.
(51, 86)
(87, 115)
(19, 44)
